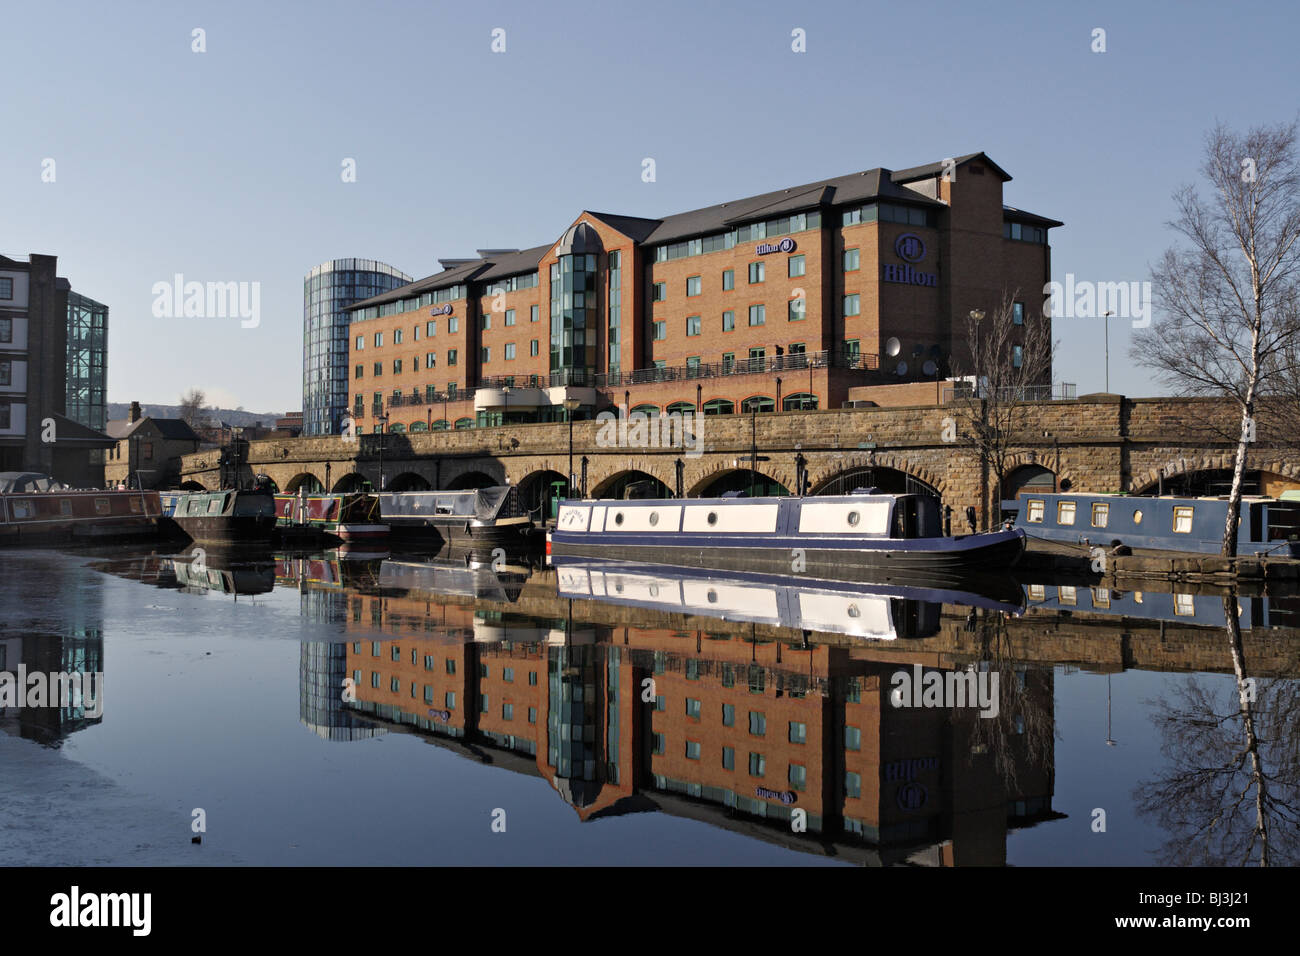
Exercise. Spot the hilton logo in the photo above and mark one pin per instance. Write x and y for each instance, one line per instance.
(767, 248)
(909, 247)
(785, 796)
(441, 310)
(911, 796)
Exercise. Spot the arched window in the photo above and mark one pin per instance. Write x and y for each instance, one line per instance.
(681, 408)
(419, 426)
(650, 411)
(761, 403)
(799, 401)
(719, 406)
(397, 428)
(464, 423)
(439, 426)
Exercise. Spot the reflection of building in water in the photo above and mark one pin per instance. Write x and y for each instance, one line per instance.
(78, 648)
(739, 732)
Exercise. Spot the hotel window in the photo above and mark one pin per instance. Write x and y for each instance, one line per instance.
(757, 314)
(360, 373)
(533, 313)
(510, 350)
(430, 662)
(852, 785)
(431, 360)
(430, 328)
(510, 316)
(757, 765)
(728, 715)
(483, 705)
(852, 350)
(6, 288)
(852, 305)
(485, 354)
(795, 266)
(1034, 512)
(692, 325)
(661, 330)
(397, 366)
(852, 738)
(728, 279)
(532, 678)
(728, 321)
(692, 285)
(532, 715)
(416, 331)
(449, 700)
(757, 270)
(1065, 512)
(508, 675)
(451, 356)
(728, 362)
(451, 666)
(798, 776)
(379, 339)
(374, 679)
(1183, 520)
(757, 723)
(534, 347)
(6, 330)
(1018, 313)
(692, 750)
(728, 758)
(798, 733)
(428, 693)
(379, 368)
(487, 321)
(660, 291)
(1017, 356)
(852, 260)
(397, 336)
(661, 702)
(395, 684)
(507, 711)
(692, 371)
(453, 325)
(795, 309)
(1100, 514)
(361, 342)
(1067, 594)
(657, 749)
(719, 406)
(397, 652)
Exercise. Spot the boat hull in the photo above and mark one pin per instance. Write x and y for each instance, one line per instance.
(60, 517)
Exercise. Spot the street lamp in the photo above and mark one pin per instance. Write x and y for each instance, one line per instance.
(571, 405)
(977, 316)
(382, 418)
(1107, 318)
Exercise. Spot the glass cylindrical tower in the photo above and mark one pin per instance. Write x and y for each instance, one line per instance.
(329, 289)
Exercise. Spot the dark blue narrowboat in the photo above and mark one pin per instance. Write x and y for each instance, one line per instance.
(1201, 610)
(874, 611)
(1189, 525)
(833, 537)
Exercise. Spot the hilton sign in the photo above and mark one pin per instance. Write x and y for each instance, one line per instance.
(910, 248)
(441, 310)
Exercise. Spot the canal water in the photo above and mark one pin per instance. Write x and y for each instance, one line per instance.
(318, 709)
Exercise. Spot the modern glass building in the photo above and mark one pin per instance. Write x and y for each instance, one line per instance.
(85, 397)
(329, 289)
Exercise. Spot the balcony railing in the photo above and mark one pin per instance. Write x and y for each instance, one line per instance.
(829, 358)
(1060, 392)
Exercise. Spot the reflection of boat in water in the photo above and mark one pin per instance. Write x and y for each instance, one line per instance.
(882, 611)
(452, 577)
(1202, 610)
(212, 571)
(841, 537)
(35, 509)
(480, 520)
(221, 517)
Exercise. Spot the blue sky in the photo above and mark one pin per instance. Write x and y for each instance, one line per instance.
(225, 165)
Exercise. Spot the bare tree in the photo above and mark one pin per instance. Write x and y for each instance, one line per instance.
(192, 407)
(1228, 322)
(1010, 364)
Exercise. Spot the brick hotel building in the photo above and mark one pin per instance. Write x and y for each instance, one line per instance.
(778, 302)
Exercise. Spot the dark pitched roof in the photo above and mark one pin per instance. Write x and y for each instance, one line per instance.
(525, 260)
(935, 169)
(634, 227)
(1020, 215)
(439, 280)
(68, 431)
(172, 429)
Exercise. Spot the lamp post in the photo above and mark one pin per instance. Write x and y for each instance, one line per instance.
(571, 405)
(1107, 318)
(383, 437)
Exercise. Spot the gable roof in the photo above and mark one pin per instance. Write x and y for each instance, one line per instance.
(171, 429)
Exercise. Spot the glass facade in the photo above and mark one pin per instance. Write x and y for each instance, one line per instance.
(87, 367)
(329, 289)
(573, 320)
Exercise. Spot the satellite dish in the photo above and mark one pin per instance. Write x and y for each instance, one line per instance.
(929, 367)
(902, 369)
(893, 347)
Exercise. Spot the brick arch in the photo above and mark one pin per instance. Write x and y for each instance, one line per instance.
(453, 470)
(1043, 460)
(1224, 461)
(821, 473)
(694, 481)
(600, 476)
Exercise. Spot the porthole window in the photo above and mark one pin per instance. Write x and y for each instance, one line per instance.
(713, 517)
(618, 518)
(855, 611)
(654, 518)
(854, 518)
(712, 596)
(1137, 517)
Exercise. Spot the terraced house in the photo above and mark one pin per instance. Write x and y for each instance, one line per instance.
(778, 302)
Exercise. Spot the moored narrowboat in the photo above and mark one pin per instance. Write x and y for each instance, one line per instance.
(1266, 526)
(351, 518)
(37, 509)
(478, 520)
(837, 538)
(227, 517)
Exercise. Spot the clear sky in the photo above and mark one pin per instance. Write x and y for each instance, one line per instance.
(224, 166)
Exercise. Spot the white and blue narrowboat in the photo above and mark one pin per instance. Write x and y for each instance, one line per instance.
(1189, 525)
(833, 537)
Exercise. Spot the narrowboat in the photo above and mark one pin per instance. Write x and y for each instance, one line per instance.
(834, 537)
(875, 611)
(1266, 526)
(228, 517)
(351, 518)
(479, 520)
(37, 509)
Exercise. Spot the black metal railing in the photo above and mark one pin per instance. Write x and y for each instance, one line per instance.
(828, 358)
(1060, 392)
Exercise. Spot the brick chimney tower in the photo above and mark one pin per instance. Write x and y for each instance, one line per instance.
(135, 412)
